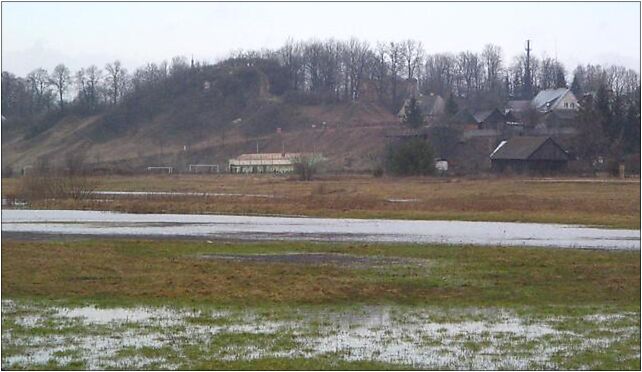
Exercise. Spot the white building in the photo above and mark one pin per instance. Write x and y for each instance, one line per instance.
(265, 163)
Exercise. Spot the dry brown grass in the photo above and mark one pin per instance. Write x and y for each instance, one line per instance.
(615, 204)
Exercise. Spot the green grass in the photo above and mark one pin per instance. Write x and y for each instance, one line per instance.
(174, 271)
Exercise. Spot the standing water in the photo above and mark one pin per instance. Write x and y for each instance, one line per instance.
(99, 223)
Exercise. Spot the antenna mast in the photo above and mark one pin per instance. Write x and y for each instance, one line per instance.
(528, 82)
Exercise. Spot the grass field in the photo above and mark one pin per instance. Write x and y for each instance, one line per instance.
(612, 203)
(191, 304)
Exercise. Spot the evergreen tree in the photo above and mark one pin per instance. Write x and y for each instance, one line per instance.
(451, 106)
(576, 87)
(602, 106)
(632, 125)
(590, 144)
(412, 114)
(414, 157)
(560, 79)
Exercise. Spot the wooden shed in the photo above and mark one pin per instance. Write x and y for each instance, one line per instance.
(522, 154)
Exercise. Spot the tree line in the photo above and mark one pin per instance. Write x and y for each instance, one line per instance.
(325, 71)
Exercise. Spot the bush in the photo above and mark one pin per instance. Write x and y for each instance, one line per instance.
(45, 183)
(39, 186)
(377, 172)
(414, 157)
(7, 171)
(306, 166)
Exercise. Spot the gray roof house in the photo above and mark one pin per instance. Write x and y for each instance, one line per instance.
(555, 99)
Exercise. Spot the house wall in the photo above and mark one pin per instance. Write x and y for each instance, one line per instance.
(549, 151)
(528, 166)
(569, 99)
(440, 106)
(245, 169)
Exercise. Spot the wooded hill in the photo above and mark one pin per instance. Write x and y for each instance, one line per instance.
(335, 97)
(200, 114)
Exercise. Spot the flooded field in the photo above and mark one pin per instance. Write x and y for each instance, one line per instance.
(324, 229)
(36, 335)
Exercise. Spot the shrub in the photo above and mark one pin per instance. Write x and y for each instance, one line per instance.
(7, 171)
(414, 157)
(377, 172)
(306, 166)
(45, 183)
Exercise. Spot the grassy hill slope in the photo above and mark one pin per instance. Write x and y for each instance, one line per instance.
(203, 117)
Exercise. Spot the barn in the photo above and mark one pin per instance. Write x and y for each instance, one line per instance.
(525, 154)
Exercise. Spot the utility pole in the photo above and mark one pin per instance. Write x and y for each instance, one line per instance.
(528, 81)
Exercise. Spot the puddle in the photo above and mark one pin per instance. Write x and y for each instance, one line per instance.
(425, 338)
(325, 229)
(402, 200)
(103, 316)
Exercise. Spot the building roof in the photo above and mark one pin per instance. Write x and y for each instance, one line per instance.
(518, 105)
(483, 116)
(518, 148)
(269, 156)
(431, 104)
(464, 117)
(547, 97)
(511, 117)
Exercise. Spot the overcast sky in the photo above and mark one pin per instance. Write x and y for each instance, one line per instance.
(80, 34)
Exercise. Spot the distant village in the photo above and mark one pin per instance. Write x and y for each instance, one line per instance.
(525, 135)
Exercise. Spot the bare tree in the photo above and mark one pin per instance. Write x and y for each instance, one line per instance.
(492, 58)
(291, 58)
(357, 53)
(61, 79)
(87, 82)
(470, 70)
(38, 80)
(380, 69)
(439, 74)
(179, 65)
(94, 76)
(395, 60)
(552, 74)
(115, 80)
(412, 54)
